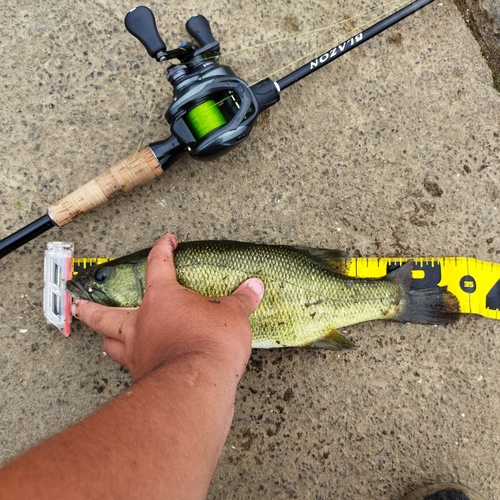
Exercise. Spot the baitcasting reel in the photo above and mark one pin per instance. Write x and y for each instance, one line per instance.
(212, 110)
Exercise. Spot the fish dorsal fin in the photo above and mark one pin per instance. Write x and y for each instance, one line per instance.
(333, 340)
(333, 260)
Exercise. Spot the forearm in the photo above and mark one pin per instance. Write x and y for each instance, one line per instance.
(159, 439)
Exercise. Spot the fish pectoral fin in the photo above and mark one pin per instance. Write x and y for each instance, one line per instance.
(333, 340)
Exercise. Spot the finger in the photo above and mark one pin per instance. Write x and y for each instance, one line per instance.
(115, 349)
(250, 293)
(160, 266)
(105, 320)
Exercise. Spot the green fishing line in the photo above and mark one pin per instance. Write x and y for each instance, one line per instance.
(204, 118)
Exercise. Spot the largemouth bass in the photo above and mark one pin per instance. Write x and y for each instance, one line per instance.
(306, 299)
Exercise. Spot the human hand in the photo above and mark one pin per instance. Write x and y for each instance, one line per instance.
(173, 321)
(166, 434)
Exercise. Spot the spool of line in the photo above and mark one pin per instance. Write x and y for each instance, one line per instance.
(204, 118)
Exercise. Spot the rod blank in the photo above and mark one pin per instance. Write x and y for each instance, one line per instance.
(350, 44)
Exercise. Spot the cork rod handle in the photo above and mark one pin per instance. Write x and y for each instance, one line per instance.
(138, 168)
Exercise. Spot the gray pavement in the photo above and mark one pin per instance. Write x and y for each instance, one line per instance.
(345, 160)
(483, 18)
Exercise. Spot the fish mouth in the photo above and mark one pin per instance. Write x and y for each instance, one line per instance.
(77, 290)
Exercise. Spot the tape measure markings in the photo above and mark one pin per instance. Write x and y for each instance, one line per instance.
(79, 264)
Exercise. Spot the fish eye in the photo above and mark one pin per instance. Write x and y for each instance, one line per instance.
(101, 275)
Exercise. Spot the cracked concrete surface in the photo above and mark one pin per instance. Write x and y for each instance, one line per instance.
(483, 18)
(391, 150)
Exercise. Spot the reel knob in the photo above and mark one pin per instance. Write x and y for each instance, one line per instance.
(140, 22)
(199, 28)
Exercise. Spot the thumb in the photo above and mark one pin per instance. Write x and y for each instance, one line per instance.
(250, 293)
(160, 265)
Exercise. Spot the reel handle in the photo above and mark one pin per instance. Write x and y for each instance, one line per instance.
(199, 28)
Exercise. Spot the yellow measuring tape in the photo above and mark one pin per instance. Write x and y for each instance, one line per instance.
(475, 283)
(82, 263)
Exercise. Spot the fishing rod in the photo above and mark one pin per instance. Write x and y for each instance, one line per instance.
(212, 111)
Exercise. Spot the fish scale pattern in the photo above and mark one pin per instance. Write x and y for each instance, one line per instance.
(304, 298)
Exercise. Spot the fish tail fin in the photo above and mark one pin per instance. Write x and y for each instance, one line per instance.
(433, 306)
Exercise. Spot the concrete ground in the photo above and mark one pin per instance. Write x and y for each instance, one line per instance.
(483, 18)
(391, 150)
